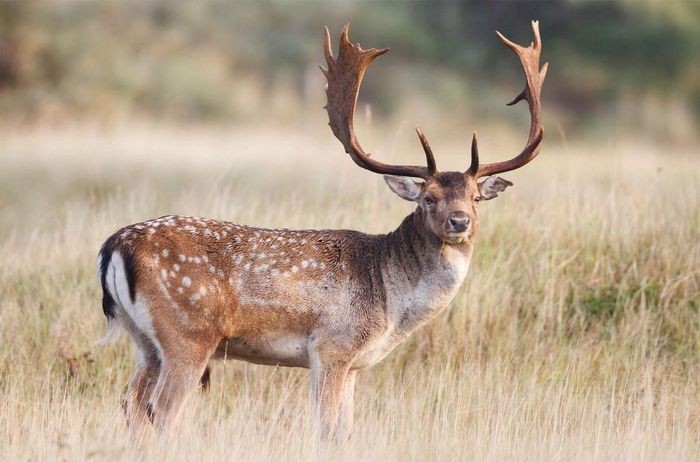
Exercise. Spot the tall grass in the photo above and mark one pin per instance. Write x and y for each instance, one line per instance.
(575, 337)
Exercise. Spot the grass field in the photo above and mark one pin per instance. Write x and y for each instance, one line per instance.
(575, 337)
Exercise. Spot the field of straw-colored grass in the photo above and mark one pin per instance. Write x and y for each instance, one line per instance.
(576, 335)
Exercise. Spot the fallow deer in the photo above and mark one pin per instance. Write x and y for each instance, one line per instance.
(334, 301)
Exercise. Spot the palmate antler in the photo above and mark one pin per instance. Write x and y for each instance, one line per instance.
(344, 76)
(534, 77)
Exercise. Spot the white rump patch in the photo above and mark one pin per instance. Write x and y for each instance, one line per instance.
(118, 288)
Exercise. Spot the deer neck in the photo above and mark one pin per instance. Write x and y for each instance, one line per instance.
(421, 274)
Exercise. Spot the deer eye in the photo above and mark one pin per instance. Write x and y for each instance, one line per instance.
(429, 200)
(477, 199)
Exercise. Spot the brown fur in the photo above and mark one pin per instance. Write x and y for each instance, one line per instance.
(214, 289)
(191, 289)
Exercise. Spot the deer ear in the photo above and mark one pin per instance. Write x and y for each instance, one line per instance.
(405, 188)
(490, 187)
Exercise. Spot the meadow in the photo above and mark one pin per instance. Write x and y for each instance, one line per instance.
(576, 335)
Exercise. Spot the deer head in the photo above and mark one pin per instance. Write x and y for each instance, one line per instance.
(447, 200)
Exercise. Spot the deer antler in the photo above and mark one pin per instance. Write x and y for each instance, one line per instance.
(344, 76)
(534, 77)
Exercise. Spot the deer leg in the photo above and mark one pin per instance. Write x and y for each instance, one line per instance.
(345, 416)
(180, 374)
(327, 381)
(205, 380)
(144, 380)
(140, 389)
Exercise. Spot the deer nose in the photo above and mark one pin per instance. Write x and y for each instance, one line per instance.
(459, 221)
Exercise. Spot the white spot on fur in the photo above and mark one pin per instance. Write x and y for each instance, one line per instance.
(181, 258)
(294, 269)
(202, 290)
(186, 281)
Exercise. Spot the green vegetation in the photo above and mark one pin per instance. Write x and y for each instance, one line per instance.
(632, 62)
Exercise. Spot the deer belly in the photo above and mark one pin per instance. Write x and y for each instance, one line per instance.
(284, 349)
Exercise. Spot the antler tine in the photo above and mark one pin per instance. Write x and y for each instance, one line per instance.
(432, 167)
(344, 76)
(534, 77)
(474, 166)
(327, 50)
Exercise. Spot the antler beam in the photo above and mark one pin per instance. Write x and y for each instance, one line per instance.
(534, 77)
(344, 76)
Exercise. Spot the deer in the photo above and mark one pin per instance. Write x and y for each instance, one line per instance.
(189, 290)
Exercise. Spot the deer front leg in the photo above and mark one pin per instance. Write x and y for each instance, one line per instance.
(345, 417)
(327, 381)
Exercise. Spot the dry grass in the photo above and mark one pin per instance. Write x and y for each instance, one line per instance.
(575, 337)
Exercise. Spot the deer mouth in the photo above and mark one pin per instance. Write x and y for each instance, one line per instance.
(455, 237)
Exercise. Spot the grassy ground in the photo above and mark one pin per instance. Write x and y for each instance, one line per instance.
(575, 337)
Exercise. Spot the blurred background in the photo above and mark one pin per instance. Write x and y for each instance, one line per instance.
(584, 289)
(624, 66)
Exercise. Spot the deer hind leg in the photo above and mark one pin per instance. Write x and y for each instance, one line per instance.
(181, 371)
(141, 386)
(140, 389)
(205, 380)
